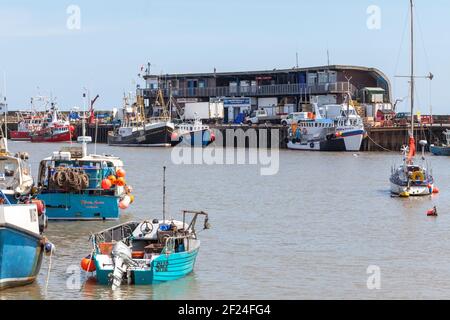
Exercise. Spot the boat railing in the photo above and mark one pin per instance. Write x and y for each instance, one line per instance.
(170, 242)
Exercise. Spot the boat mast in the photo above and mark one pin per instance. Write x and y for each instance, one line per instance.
(83, 124)
(412, 68)
(164, 194)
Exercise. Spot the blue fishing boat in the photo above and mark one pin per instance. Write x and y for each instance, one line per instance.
(78, 186)
(443, 149)
(21, 241)
(145, 253)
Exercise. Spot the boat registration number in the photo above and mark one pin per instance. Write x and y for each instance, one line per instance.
(162, 266)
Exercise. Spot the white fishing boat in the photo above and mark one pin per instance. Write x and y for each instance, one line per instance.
(193, 134)
(344, 132)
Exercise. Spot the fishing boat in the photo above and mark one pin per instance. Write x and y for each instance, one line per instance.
(411, 178)
(54, 129)
(139, 131)
(193, 134)
(15, 173)
(81, 186)
(147, 252)
(344, 132)
(22, 224)
(27, 123)
(21, 241)
(443, 149)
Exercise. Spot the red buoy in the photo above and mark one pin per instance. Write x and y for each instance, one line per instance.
(435, 190)
(106, 184)
(432, 212)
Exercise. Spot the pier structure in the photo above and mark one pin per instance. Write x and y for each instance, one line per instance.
(279, 91)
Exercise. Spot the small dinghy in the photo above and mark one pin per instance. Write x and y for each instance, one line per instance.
(147, 252)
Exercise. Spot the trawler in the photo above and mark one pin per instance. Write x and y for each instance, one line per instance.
(140, 131)
(344, 132)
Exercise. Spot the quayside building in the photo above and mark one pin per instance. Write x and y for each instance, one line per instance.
(279, 91)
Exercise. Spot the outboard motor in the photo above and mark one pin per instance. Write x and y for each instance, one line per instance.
(121, 254)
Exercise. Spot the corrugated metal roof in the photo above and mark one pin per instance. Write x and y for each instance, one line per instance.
(262, 72)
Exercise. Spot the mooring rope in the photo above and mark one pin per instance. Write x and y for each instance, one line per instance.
(378, 145)
(48, 272)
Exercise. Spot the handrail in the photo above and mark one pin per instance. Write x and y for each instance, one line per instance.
(296, 88)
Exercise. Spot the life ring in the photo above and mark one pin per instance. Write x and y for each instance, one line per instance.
(418, 176)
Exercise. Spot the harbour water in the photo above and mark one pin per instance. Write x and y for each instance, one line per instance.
(309, 232)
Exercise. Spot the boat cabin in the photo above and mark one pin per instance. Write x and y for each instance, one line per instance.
(68, 170)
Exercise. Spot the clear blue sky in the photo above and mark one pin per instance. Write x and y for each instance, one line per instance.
(116, 38)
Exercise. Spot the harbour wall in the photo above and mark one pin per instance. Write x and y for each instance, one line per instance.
(378, 138)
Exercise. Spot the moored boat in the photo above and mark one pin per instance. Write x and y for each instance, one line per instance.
(342, 133)
(443, 149)
(147, 252)
(139, 131)
(411, 178)
(15, 173)
(193, 134)
(54, 129)
(81, 186)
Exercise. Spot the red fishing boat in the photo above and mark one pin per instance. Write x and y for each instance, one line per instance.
(55, 129)
(28, 122)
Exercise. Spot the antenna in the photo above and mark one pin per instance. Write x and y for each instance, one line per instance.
(296, 60)
(328, 57)
(164, 194)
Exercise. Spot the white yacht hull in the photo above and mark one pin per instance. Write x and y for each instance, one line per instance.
(412, 190)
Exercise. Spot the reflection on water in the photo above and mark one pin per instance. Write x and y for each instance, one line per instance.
(310, 231)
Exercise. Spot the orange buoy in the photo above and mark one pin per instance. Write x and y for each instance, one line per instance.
(120, 182)
(88, 264)
(121, 173)
(113, 179)
(435, 190)
(106, 184)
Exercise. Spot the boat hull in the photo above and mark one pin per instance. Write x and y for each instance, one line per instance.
(412, 190)
(20, 256)
(155, 136)
(70, 206)
(348, 142)
(194, 139)
(440, 151)
(20, 135)
(162, 269)
(44, 137)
